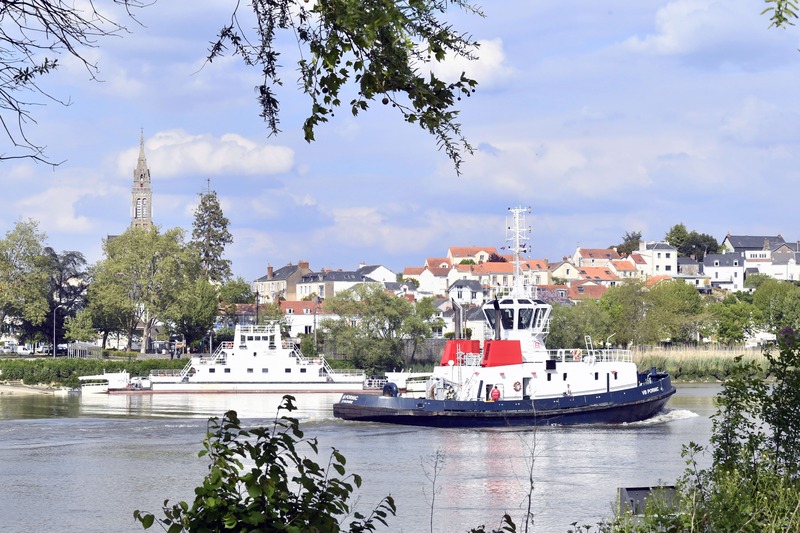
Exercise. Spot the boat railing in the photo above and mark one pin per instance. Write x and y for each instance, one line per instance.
(218, 356)
(577, 355)
(469, 358)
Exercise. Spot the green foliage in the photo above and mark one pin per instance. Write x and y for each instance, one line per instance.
(80, 327)
(782, 12)
(630, 243)
(377, 48)
(23, 274)
(258, 480)
(753, 483)
(691, 244)
(143, 275)
(60, 370)
(193, 312)
(370, 332)
(210, 235)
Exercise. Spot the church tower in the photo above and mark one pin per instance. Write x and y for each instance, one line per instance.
(141, 192)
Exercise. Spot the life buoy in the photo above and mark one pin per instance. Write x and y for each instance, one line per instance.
(576, 354)
(517, 386)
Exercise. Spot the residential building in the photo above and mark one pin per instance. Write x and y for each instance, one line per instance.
(748, 243)
(600, 275)
(725, 271)
(456, 254)
(660, 259)
(280, 284)
(594, 257)
(467, 292)
(328, 283)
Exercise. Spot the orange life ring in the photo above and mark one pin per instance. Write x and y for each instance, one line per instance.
(517, 386)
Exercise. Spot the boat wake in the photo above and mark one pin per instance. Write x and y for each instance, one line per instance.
(668, 415)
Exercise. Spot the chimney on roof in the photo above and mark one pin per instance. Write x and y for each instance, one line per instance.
(302, 264)
(362, 264)
(269, 271)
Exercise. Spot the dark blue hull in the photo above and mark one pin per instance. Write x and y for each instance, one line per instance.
(617, 407)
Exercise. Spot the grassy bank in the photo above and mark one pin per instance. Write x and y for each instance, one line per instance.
(690, 364)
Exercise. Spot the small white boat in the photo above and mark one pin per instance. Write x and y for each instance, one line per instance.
(101, 383)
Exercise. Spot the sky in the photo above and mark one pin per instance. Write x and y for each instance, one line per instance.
(602, 117)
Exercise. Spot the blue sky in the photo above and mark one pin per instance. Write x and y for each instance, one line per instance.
(603, 117)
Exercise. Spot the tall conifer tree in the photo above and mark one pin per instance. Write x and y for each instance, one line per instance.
(210, 235)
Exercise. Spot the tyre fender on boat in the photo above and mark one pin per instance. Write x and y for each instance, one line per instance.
(517, 386)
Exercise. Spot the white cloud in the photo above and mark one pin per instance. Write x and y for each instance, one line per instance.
(177, 153)
(488, 69)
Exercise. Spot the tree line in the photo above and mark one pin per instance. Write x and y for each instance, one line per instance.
(672, 311)
(146, 277)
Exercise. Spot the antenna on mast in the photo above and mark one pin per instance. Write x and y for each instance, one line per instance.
(517, 233)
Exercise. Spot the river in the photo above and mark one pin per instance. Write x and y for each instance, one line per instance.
(85, 463)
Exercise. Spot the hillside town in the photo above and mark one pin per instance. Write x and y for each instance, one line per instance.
(464, 277)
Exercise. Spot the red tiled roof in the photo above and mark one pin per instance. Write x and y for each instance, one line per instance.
(598, 274)
(599, 253)
(470, 251)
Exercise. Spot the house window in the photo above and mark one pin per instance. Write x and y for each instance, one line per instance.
(716, 263)
(306, 311)
(658, 267)
(307, 330)
(736, 263)
(666, 255)
(716, 275)
(458, 294)
(668, 268)
(735, 274)
(658, 255)
(289, 311)
(474, 295)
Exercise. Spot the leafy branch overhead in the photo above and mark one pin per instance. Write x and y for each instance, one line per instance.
(381, 49)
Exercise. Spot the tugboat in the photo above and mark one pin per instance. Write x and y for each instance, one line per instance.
(514, 380)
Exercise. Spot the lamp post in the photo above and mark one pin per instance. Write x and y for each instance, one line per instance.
(54, 328)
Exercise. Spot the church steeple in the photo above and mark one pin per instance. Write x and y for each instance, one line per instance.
(141, 192)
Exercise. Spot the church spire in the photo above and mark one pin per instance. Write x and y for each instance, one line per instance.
(141, 191)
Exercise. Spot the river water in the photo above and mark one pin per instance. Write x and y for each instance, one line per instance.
(85, 463)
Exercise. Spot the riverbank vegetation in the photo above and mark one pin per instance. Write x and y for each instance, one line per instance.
(64, 372)
(753, 483)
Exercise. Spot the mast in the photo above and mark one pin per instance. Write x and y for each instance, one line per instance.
(517, 233)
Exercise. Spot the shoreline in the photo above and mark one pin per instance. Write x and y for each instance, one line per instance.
(20, 389)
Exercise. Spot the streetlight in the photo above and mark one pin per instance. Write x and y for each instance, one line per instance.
(54, 328)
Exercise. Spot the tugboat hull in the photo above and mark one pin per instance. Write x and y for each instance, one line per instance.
(618, 407)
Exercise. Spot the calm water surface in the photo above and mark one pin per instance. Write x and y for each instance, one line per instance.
(84, 464)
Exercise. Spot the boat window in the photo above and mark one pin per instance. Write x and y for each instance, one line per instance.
(596, 376)
(257, 338)
(265, 370)
(565, 376)
(242, 339)
(212, 370)
(249, 370)
(525, 316)
(287, 370)
(302, 370)
(549, 376)
(227, 370)
(507, 318)
(249, 337)
(490, 317)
